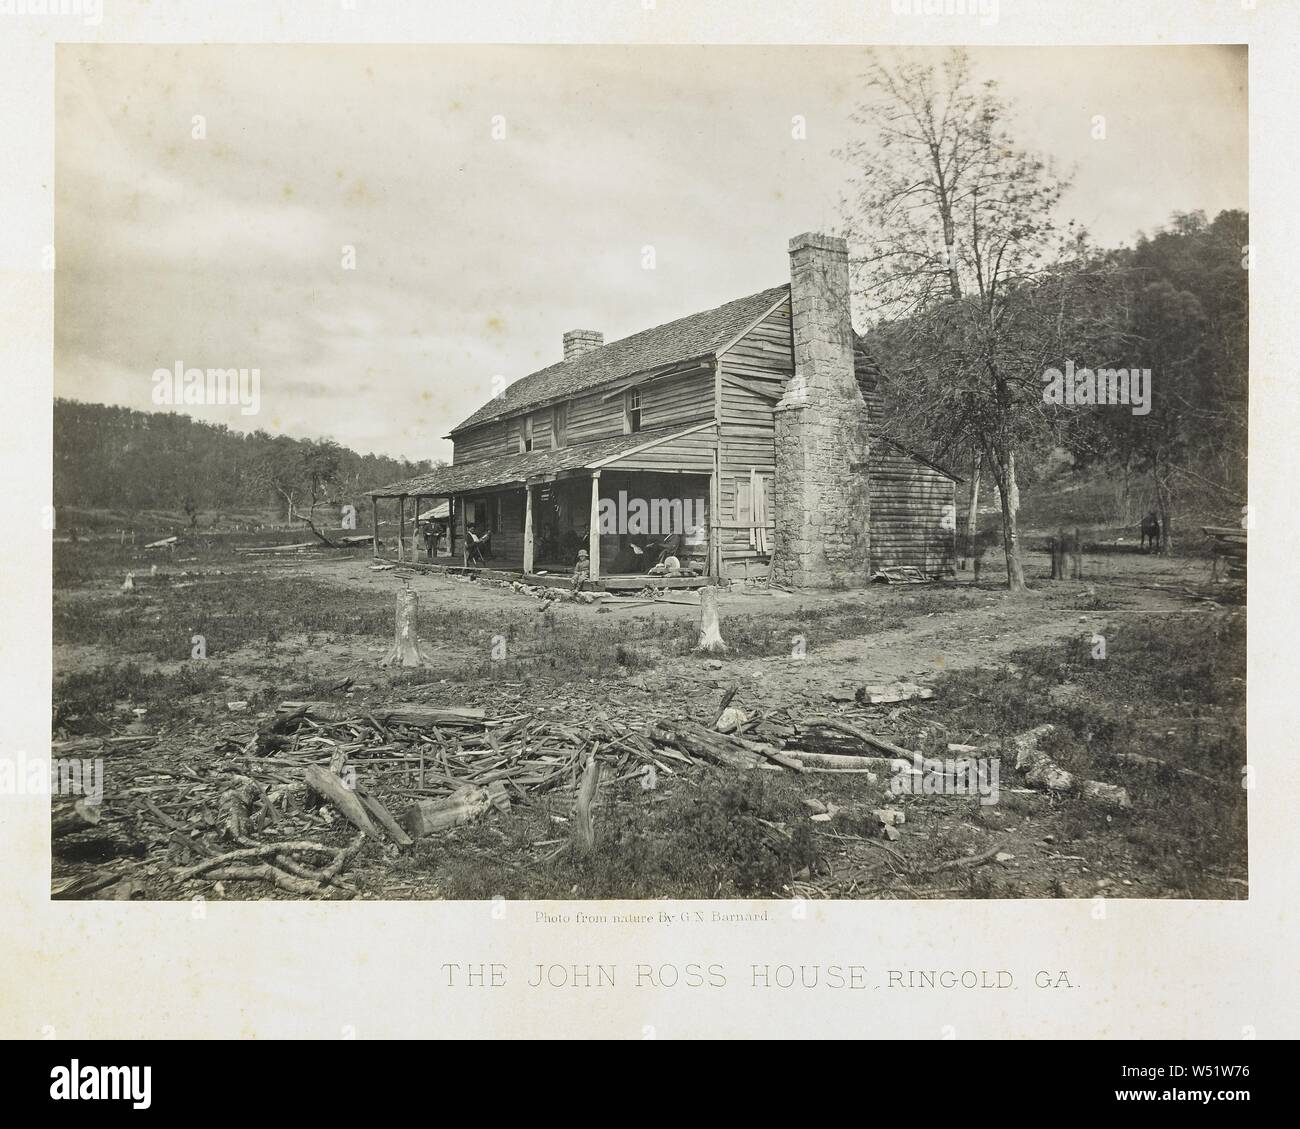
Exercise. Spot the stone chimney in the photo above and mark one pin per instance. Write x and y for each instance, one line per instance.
(579, 341)
(822, 508)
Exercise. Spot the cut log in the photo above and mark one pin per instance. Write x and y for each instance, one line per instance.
(400, 714)
(775, 755)
(703, 744)
(897, 692)
(844, 760)
(342, 797)
(78, 817)
(835, 736)
(462, 806)
(406, 645)
(384, 818)
(1040, 771)
(710, 633)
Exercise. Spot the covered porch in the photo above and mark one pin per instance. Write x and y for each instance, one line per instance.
(634, 505)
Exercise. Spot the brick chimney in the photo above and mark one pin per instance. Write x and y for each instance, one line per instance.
(822, 509)
(579, 341)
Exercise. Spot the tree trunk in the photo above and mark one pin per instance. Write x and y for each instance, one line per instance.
(405, 650)
(710, 635)
(972, 511)
(1163, 504)
(1004, 470)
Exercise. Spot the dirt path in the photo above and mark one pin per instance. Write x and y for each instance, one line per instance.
(977, 637)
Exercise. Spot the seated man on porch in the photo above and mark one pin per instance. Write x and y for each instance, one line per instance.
(669, 566)
(670, 546)
(480, 545)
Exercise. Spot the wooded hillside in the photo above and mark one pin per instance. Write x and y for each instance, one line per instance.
(124, 459)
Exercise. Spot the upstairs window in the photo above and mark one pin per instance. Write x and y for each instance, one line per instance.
(560, 425)
(526, 434)
(633, 411)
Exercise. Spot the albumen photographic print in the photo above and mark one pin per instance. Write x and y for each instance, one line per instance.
(648, 520)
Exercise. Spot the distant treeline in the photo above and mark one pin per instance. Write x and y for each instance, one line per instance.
(122, 459)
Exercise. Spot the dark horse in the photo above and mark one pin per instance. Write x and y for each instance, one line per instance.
(1150, 532)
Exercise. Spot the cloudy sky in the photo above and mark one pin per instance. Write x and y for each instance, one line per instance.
(474, 253)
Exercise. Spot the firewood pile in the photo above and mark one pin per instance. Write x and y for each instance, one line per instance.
(293, 801)
(256, 806)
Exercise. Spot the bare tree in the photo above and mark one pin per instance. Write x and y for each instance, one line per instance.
(964, 267)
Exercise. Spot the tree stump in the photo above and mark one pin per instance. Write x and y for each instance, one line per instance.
(405, 650)
(586, 796)
(710, 636)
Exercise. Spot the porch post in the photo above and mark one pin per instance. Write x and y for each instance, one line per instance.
(528, 528)
(593, 530)
(715, 519)
(451, 526)
(374, 525)
(401, 527)
(464, 547)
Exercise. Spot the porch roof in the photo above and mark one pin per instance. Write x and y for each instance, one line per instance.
(508, 470)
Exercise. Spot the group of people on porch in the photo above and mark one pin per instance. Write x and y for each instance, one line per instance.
(638, 553)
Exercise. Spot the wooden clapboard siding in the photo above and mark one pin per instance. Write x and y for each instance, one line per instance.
(692, 453)
(761, 363)
(514, 428)
(913, 512)
(542, 429)
(593, 417)
(673, 400)
(487, 442)
(596, 415)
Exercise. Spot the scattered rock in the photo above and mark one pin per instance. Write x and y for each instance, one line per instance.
(731, 719)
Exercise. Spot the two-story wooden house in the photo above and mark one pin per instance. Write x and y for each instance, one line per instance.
(737, 439)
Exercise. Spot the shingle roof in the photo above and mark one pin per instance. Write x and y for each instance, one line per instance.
(508, 469)
(698, 335)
